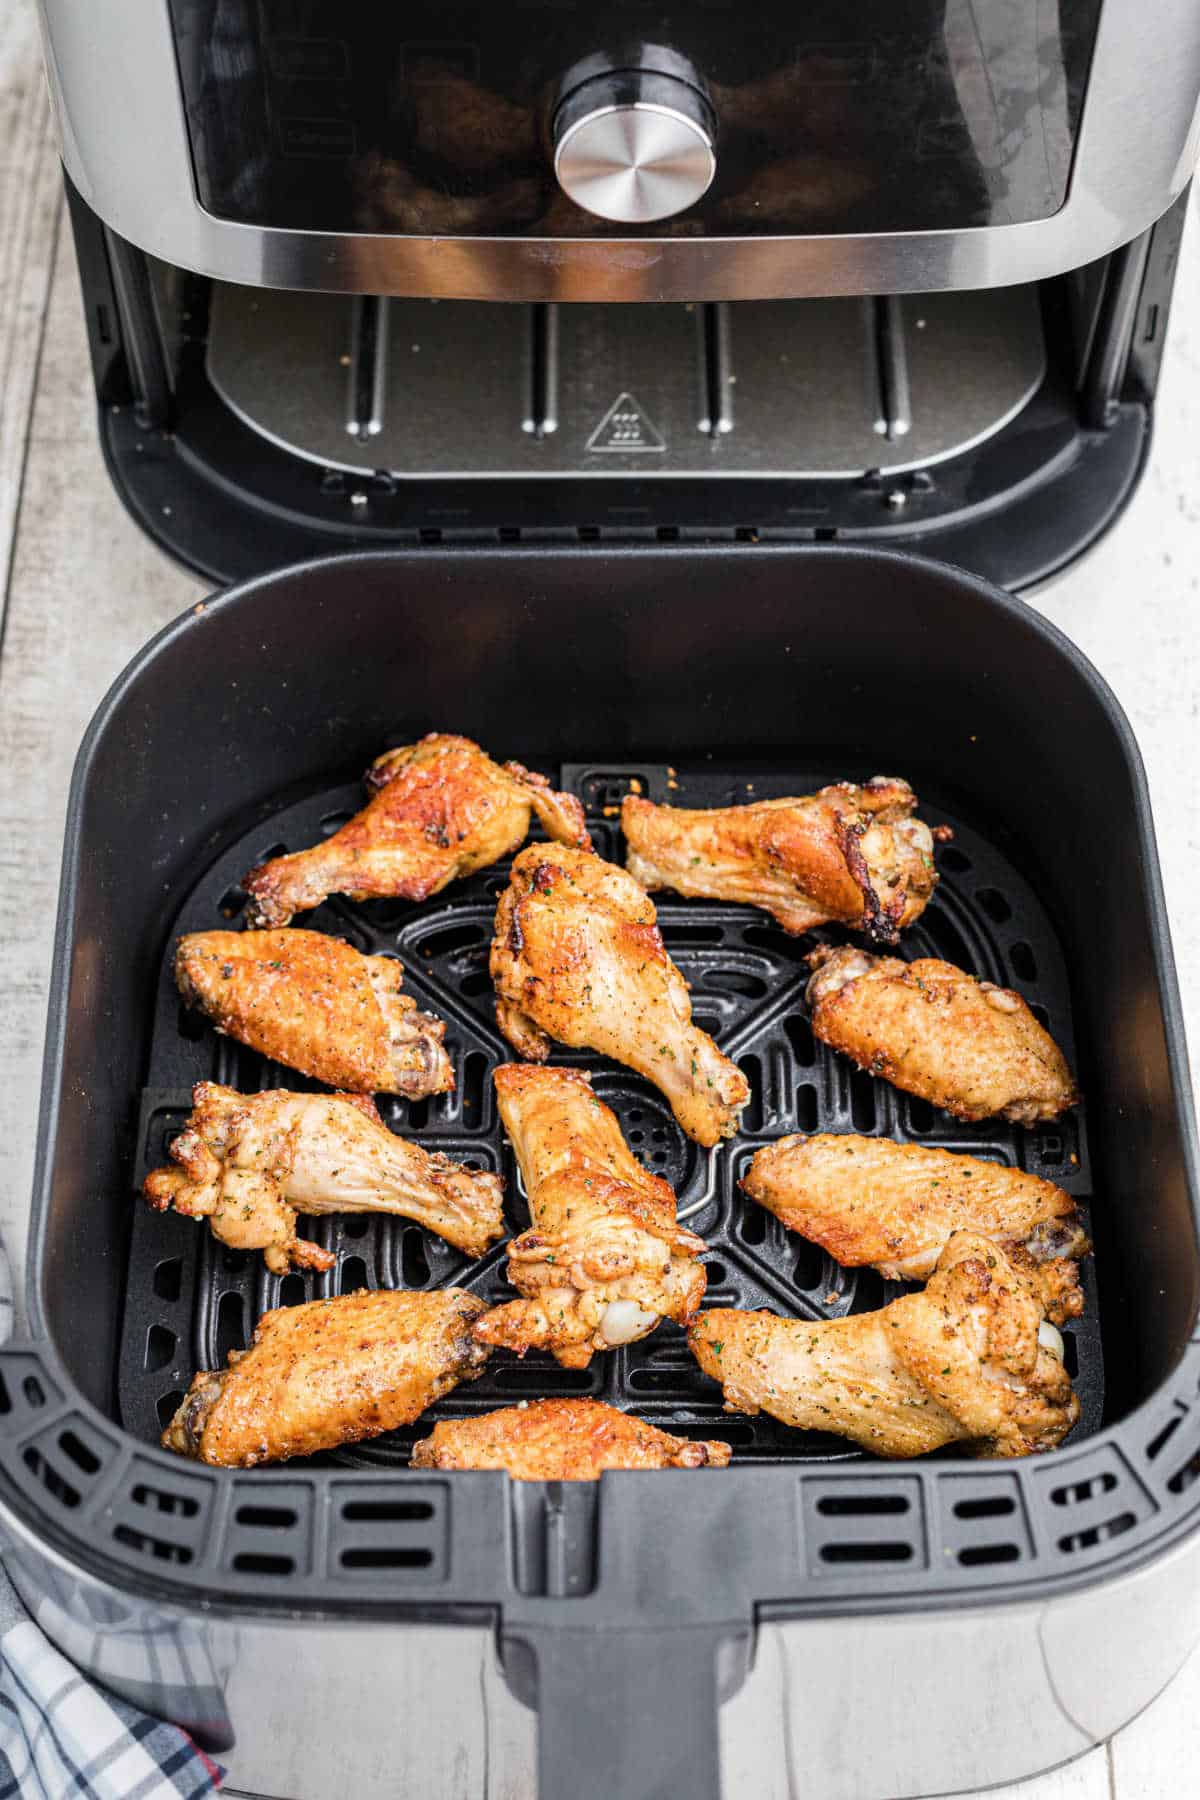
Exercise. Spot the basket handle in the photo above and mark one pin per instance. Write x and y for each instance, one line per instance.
(625, 1715)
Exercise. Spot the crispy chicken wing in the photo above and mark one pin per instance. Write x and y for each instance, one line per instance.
(441, 809)
(605, 1260)
(331, 1372)
(929, 1028)
(561, 1440)
(248, 1163)
(577, 956)
(894, 1207)
(967, 1360)
(853, 854)
(319, 1006)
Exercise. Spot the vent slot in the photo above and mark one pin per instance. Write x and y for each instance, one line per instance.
(994, 905)
(262, 1562)
(1184, 1476)
(161, 1549)
(268, 1517)
(163, 1500)
(168, 1278)
(1090, 1488)
(44, 1472)
(160, 1348)
(1162, 1437)
(1098, 1534)
(379, 1556)
(81, 1454)
(994, 1506)
(352, 1275)
(387, 1510)
(861, 1506)
(976, 1554)
(866, 1553)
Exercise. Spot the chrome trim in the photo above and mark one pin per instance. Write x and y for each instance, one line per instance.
(616, 175)
(115, 91)
(1003, 1691)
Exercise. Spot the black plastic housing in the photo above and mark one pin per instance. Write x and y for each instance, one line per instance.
(1016, 509)
(814, 659)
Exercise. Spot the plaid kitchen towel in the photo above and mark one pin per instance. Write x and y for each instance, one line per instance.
(59, 1735)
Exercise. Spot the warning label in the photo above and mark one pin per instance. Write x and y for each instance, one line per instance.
(625, 428)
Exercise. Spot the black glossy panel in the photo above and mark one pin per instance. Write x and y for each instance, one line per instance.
(893, 115)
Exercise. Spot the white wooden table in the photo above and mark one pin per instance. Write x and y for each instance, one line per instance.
(82, 589)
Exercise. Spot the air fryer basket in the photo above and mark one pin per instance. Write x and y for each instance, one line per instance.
(704, 678)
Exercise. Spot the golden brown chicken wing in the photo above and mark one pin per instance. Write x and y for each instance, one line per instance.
(441, 809)
(332, 1372)
(967, 1360)
(561, 1440)
(929, 1028)
(577, 956)
(248, 1163)
(319, 1006)
(894, 1207)
(605, 1260)
(853, 854)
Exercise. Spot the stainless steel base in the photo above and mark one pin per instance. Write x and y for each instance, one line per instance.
(425, 388)
(1001, 1692)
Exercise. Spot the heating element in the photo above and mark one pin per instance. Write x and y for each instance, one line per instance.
(777, 388)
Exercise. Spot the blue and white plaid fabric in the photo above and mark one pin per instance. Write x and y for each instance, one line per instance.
(59, 1735)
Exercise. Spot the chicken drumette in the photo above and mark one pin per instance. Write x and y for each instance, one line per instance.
(248, 1163)
(605, 1260)
(441, 809)
(929, 1028)
(577, 956)
(331, 1372)
(318, 1005)
(561, 1440)
(852, 854)
(968, 1360)
(869, 1201)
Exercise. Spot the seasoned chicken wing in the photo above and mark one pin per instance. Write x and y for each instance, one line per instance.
(929, 1028)
(561, 1440)
(331, 1372)
(968, 1360)
(441, 809)
(869, 1201)
(577, 956)
(605, 1260)
(319, 1006)
(248, 1163)
(852, 854)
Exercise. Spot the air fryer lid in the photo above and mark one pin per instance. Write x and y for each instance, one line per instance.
(726, 666)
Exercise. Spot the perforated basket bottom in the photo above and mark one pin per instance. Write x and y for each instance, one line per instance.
(189, 1300)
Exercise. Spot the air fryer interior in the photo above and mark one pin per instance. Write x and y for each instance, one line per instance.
(190, 1300)
(248, 722)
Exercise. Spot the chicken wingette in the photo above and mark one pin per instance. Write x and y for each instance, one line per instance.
(577, 956)
(850, 854)
(248, 1163)
(605, 1259)
(968, 1360)
(894, 1207)
(441, 809)
(935, 1031)
(562, 1440)
(328, 1373)
(318, 1005)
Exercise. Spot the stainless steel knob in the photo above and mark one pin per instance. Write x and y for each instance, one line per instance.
(634, 145)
